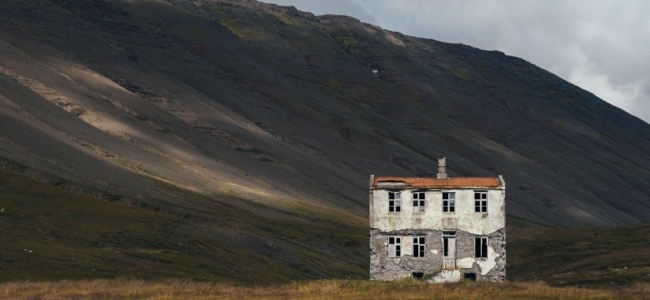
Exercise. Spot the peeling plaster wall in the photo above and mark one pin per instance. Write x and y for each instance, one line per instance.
(464, 218)
(431, 224)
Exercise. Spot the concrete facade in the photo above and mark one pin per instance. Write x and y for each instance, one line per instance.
(442, 229)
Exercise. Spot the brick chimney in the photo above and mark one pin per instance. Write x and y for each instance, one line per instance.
(442, 168)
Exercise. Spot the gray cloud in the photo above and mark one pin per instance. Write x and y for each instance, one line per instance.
(597, 45)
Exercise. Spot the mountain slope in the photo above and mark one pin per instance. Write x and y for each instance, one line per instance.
(267, 108)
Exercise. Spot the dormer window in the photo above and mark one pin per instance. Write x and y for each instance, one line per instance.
(394, 201)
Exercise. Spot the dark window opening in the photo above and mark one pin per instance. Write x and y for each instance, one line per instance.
(448, 201)
(418, 201)
(394, 201)
(480, 247)
(418, 275)
(480, 201)
(470, 276)
(394, 246)
(418, 247)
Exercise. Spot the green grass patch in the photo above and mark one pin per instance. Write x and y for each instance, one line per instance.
(50, 234)
(612, 256)
(348, 43)
(322, 289)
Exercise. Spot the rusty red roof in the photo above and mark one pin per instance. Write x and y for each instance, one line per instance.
(458, 182)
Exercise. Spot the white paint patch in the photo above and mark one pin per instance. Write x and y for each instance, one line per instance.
(446, 276)
(465, 262)
(434, 251)
(488, 264)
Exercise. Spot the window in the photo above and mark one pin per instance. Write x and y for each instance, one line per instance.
(418, 201)
(418, 246)
(394, 201)
(480, 247)
(480, 201)
(448, 201)
(394, 246)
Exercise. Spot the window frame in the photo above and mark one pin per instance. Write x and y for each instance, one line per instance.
(480, 201)
(481, 247)
(394, 201)
(448, 204)
(419, 246)
(419, 201)
(394, 246)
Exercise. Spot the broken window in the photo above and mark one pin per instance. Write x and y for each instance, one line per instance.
(448, 201)
(480, 247)
(418, 246)
(394, 246)
(480, 201)
(418, 201)
(394, 201)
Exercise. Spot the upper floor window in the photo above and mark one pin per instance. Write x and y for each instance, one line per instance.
(480, 247)
(418, 201)
(394, 246)
(418, 246)
(394, 201)
(480, 201)
(448, 201)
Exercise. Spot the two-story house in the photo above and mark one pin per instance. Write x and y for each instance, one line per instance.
(425, 227)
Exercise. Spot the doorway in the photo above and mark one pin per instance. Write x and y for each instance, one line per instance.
(449, 250)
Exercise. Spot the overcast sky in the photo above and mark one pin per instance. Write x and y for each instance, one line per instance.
(602, 46)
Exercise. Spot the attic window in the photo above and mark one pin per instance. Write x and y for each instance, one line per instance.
(394, 201)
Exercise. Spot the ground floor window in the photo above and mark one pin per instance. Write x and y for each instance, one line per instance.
(418, 246)
(480, 247)
(394, 246)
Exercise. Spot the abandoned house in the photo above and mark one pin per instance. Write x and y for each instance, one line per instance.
(442, 229)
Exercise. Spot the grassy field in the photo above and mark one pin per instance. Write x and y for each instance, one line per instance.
(593, 257)
(49, 233)
(56, 244)
(321, 289)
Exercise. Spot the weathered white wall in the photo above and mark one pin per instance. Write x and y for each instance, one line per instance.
(464, 218)
(431, 223)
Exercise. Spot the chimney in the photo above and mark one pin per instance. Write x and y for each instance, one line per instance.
(442, 168)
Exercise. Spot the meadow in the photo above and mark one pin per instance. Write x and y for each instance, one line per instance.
(57, 244)
(319, 289)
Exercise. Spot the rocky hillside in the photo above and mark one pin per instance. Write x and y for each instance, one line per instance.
(269, 110)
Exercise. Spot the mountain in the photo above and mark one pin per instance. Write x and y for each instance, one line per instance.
(256, 126)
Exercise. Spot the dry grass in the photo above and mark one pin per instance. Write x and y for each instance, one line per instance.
(323, 289)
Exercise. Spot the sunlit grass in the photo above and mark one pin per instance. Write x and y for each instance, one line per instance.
(322, 289)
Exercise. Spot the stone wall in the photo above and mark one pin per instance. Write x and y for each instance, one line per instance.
(383, 267)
